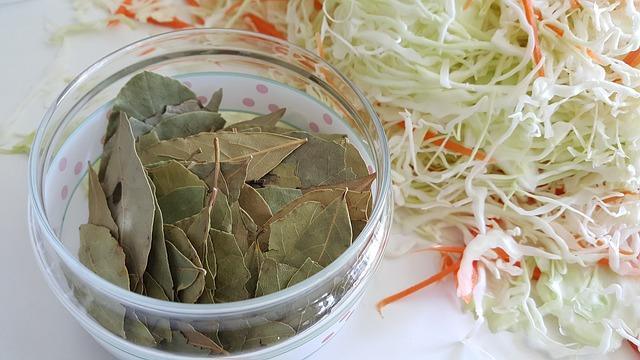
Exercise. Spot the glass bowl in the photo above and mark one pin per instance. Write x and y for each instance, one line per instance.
(258, 74)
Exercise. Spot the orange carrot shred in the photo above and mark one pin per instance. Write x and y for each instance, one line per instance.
(264, 27)
(193, 3)
(536, 274)
(467, 4)
(174, 23)
(575, 4)
(122, 10)
(198, 19)
(421, 285)
(317, 5)
(501, 254)
(443, 249)
(603, 262)
(113, 22)
(319, 47)
(529, 14)
(633, 58)
(453, 146)
(446, 261)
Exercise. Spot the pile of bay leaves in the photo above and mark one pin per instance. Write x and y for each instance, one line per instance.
(188, 208)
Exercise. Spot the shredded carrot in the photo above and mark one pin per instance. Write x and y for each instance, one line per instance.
(529, 14)
(536, 274)
(603, 262)
(147, 51)
(421, 285)
(193, 3)
(124, 11)
(467, 4)
(113, 22)
(263, 26)
(446, 261)
(453, 146)
(575, 4)
(198, 19)
(319, 47)
(501, 254)
(317, 4)
(443, 249)
(174, 23)
(633, 58)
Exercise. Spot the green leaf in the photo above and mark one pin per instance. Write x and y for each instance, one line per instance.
(139, 128)
(232, 274)
(179, 344)
(184, 272)
(284, 175)
(253, 259)
(235, 176)
(277, 197)
(182, 203)
(354, 160)
(153, 289)
(287, 232)
(187, 124)
(100, 252)
(197, 230)
(221, 218)
(308, 269)
(244, 229)
(130, 200)
(254, 204)
(179, 239)
(273, 277)
(137, 332)
(215, 101)
(99, 213)
(183, 108)
(170, 175)
(359, 184)
(147, 94)
(197, 339)
(310, 171)
(264, 123)
(159, 327)
(158, 264)
(266, 334)
(263, 150)
(327, 237)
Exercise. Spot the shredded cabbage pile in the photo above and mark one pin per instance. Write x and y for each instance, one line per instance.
(558, 190)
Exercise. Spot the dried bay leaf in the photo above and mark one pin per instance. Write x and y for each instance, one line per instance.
(286, 232)
(254, 204)
(184, 272)
(266, 334)
(232, 273)
(263, 123)
(327, 236)
(147, 94)
(215, 101)
(187, 124)
(102, 254)
(235, 176)
(197, 339)
(253, 259)
(158, 263)
(170, 175)
(221, 218)
(244, 229)
(139, 128)
(284, 175)
(179, 239)
(359, 184)
(182, 108)
(182, 203)
(273, 277)
(277, 197)
(137, 332)
(197, 230)
(179, 344)
(354, 160)
(130, 200)
(99, 213)
(308, 269)
(263, 150)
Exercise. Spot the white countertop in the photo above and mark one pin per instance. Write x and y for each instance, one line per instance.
(34, 325)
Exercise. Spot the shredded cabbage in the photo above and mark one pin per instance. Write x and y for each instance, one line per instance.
(558, 189)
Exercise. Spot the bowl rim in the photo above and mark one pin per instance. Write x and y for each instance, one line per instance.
(161, 306)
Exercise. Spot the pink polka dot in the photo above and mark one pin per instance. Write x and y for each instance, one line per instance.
(314, 127)
(64, 192)
(77, 168)
(187, 83)
(327, 338)
(62, 165)
(370, 168)
(248, 102)
(202, 99)
(262, 89)
(273, 107)
(327, 119)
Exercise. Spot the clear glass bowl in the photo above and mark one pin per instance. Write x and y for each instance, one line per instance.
(258, 74)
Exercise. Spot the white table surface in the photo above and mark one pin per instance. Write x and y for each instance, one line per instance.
(34, 325)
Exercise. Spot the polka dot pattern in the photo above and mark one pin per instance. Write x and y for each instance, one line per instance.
(203, 100)
(314, 127)
(62, 164)
(64, 192)
(78, 168)
(327, 119)
(262, 88)
(248, 102)
(273, 107)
